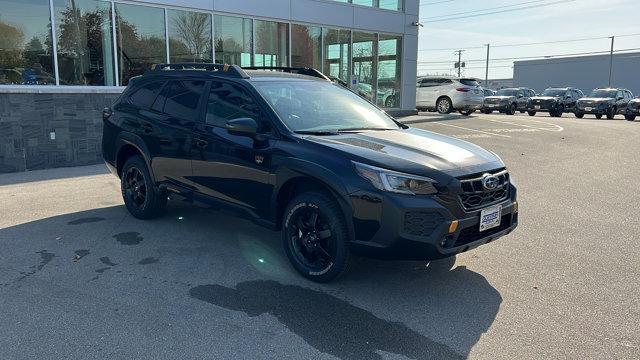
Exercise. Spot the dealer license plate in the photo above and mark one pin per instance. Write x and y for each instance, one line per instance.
(537, 107)
(490, 217)
(588, 108)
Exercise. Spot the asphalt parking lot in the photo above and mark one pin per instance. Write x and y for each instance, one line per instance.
(80, 278)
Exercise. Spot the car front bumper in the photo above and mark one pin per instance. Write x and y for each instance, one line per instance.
(596, 110)
(382, 228)
(496, 107)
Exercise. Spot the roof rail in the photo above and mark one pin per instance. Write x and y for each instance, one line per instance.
(234, 71)
(293, 70)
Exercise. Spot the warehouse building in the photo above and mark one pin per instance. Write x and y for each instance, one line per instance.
(583, 72)
(63, 61)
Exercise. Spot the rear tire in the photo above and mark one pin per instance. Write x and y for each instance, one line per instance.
(140, 195)
(466, 112)
(630, 117)
(598, 116)
(315, 236)
(531, 113)
(444, 105)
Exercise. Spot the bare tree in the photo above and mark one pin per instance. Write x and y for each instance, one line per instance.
(193, 30)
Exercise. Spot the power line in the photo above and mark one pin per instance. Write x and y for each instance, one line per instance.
(483, 10)
(535, 43)
(436, 2)
(535, 57)
(498, 11)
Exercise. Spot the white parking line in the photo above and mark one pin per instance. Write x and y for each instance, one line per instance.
(468, 129)
(554, 127)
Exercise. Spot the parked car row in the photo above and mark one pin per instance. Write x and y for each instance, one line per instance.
(465, 95)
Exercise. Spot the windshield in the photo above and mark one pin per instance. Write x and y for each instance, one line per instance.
(314, 106)
(507, 92)
(554, 92)
(603, 93)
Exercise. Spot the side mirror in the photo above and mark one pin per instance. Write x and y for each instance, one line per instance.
(242, 127)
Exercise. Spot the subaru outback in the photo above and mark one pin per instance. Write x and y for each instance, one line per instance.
(296, 152)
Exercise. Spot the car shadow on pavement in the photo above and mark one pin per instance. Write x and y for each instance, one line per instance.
(416, 309)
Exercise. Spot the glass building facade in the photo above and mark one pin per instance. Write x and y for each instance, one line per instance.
(97, 43)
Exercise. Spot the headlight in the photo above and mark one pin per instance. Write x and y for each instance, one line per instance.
(388, 180)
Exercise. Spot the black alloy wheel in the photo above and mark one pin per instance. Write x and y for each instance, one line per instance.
(315, 237)
(579, 115)
(531, 113)
(611, 113)
(512, 109)
(630, 117)
(134, 187)
(598, 116)
(140, 196)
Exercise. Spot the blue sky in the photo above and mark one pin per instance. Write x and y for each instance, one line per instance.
(566, 20)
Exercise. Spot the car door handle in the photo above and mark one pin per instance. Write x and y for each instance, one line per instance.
(201, 143)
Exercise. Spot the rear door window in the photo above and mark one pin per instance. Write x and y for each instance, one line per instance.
(180, 99)
(146, 94)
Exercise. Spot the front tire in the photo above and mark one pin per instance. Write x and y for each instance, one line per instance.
(444, 105)
(598, 116)
(611, 113)
(315, 236)
(511, 110)
(466, 112)
(630, 117)
(140, 195)
(531, 113)
(579, 115)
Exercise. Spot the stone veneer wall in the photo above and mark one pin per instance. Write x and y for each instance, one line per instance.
(27, 121)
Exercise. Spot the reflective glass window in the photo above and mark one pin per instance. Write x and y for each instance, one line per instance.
(336, 53)
(25, 43)
(85, 47)
(272, 43)
(306, 43)
(389, 70)
(364, 72)
(189, 36)
(233, 39)
(181, 99)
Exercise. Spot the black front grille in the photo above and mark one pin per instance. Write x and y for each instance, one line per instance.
(475, 195)
(492, 101)
(421, 223)
(473, 233)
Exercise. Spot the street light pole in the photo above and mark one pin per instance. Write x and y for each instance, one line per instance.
(486, 74)
(613, 38)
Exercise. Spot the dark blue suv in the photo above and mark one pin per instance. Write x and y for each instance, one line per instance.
(294, 151)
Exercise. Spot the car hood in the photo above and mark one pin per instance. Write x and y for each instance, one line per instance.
(413, 151)
(597, 99)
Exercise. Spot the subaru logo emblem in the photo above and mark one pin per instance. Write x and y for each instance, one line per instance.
(490, 182)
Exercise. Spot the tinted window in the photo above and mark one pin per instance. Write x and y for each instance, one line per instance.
(469, 82)
(227, 102)
(146, 94)
(181, 99)
(507, 92)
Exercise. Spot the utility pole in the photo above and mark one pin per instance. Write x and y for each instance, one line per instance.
(459, 52)
(486, 73)
(613, 38)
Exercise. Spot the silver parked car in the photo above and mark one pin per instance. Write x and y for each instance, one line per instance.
(445, 94)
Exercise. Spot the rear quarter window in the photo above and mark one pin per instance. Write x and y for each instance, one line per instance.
(146, 94)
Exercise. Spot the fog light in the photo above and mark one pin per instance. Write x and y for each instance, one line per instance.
(453, 227)
(515, 206)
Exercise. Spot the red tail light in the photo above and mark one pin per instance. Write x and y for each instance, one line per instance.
(463, 89)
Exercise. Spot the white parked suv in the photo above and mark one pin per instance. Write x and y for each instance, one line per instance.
(447, 94)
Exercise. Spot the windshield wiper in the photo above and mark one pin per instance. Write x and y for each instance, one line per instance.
(364, 129)
(317, 132)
